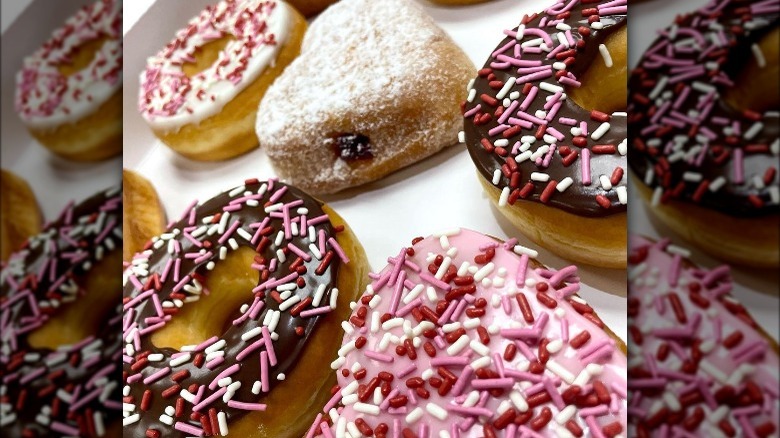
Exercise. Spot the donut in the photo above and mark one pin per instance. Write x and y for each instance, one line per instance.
(545, 128)
(68, 92)
(704, 153)
(462, 335)
(143, 216)
(60, 315)
(373, 114)
(310, 7)
(273, 270)
(20, 216)
(199, 94)
(699, 365)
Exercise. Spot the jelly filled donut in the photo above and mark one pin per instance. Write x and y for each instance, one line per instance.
(68, 93)
(359, 103)
(229, 312)
(60, 313)
(462, 335)
(199, 94)
(699, 365)
(20, 216)
(706, 140)
(542, 129)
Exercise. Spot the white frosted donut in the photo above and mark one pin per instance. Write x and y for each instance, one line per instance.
(46, 98)
(169, 99)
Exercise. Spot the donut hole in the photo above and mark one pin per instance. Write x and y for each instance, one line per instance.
(82, 56)
(206, 55)
(86, 316)
(756, 88)
(230, 285)
(604, 88)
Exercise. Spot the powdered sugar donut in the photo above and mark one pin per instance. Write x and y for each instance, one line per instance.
(68, 91)
(704, 101)
(60, 314)
(200, 93)
(464, 336)
(698, 363)
(545, 125)
(353, 107)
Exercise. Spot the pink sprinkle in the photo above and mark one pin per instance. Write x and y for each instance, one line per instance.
(381, 357)
(246, 406)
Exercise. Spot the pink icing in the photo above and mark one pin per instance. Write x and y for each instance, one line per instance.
(703, 323)
(477, 402)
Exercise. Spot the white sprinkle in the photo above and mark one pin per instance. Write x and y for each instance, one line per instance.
(539, 176)
(530, 252)
(222, 420)
(600, 131)
(461, 137)
(759, 55)
(366, 408)
(565, 414)
(717, 183)
(503, 199)
(130, 420)
(413, 416)
(564, 184)
(458, 345)
(605, 183)
(334, 298)
(519, 401)
(622, 193)
(561, 371)
(753, 130)
(605, 55)
(437, 411)
(479, 347)
(657, 193)
(671, 401)
(484, 271)
(510, 82)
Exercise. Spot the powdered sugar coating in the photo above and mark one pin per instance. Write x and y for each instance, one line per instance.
(364, 67)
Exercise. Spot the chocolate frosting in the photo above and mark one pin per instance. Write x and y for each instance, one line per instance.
(52, 267)
(289, 345)
(654, 126)
(578, 199)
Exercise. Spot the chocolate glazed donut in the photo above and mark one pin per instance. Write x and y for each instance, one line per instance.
(666, 143)
(298, 263)
(700, 144)
(485, 126)
(554, 167)
(59, 377)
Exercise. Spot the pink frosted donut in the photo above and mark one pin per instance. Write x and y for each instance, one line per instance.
(461, 335)
(699, 365)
